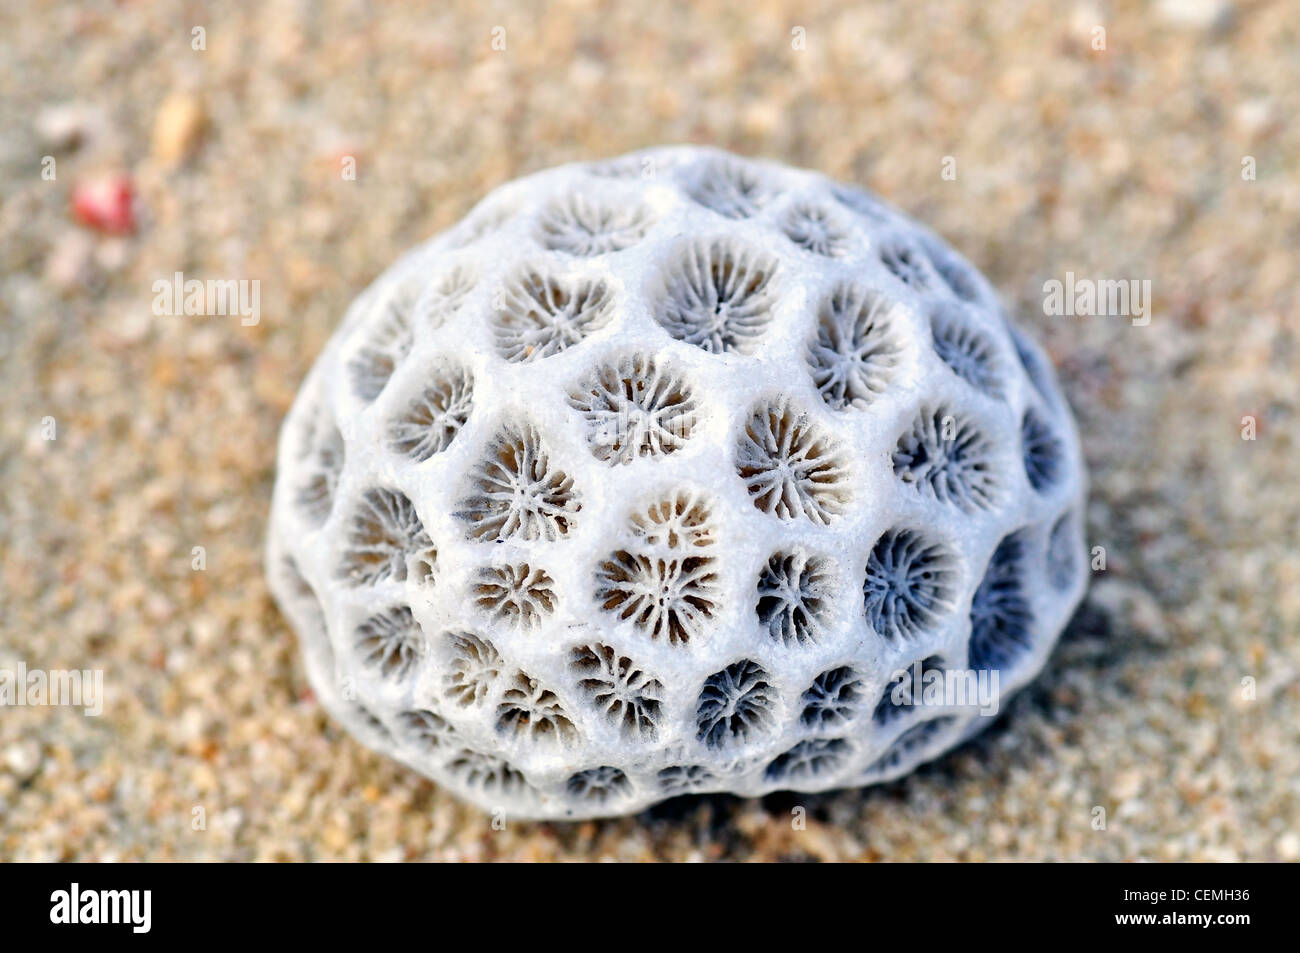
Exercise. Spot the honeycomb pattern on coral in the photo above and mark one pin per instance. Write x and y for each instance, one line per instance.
(650, 476)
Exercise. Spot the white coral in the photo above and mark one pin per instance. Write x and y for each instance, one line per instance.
(654, 474)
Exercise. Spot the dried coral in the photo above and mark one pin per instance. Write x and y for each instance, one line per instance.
(541, 314)
(856, 350)
(718, 295)
(635, 408)
(945, 456)
(793, 597)
(580, 225)
(735, 705)
(909, 584)
(642, 480)
(516, 492)
(790, 466)
(628, 696)
(432, 421)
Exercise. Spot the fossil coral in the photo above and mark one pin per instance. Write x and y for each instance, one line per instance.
(674, 473)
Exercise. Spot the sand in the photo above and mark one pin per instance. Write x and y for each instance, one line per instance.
(1171, 703)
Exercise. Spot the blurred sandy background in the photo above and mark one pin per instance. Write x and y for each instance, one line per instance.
(1118, 163)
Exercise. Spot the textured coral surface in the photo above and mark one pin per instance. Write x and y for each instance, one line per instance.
(697, 454)
(1123, 163)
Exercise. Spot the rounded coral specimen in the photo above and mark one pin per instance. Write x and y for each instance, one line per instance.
(674, 473)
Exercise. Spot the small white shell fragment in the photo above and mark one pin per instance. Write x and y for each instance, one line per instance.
(651, 475)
